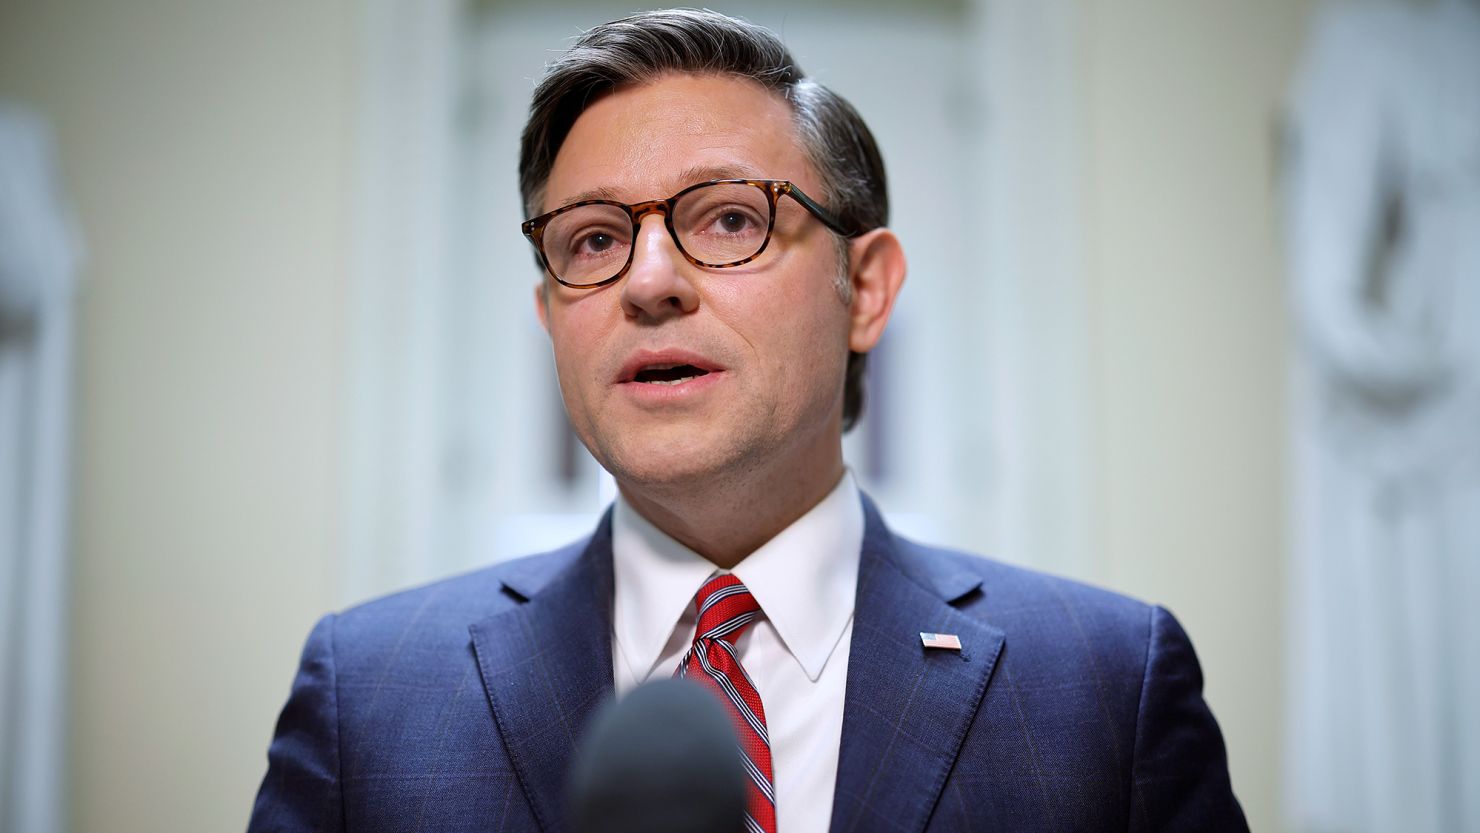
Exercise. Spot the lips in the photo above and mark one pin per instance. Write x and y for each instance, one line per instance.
(666, 367)
(678, 374)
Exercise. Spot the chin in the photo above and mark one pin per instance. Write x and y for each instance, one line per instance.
(666, 461)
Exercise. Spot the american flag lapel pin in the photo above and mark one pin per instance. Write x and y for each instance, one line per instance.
(944, 641)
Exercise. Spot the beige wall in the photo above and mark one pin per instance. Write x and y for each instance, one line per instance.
(204, 147)
(1187, 338)
(207, 148)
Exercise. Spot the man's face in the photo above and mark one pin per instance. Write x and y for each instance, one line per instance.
(772, 334)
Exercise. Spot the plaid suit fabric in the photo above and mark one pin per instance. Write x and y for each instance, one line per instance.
(458, 706)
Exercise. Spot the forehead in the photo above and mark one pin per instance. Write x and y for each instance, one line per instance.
(650, 140)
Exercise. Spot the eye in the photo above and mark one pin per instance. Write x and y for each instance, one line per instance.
(594, 242)
(598, 241)
(591, 233)
(732, 220)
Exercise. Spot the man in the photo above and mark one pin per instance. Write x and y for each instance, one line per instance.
(711, 228)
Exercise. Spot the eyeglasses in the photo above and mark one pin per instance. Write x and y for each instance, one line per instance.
(718, 224)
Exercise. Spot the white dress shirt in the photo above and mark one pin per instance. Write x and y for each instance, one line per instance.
(804, 580)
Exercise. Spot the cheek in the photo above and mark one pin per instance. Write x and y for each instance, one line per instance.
(796, 294)
(576, 333)
(571, 393)
(807, 345)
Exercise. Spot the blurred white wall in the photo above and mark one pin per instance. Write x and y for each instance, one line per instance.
(205, 145)
(1187, 336)
(209, 149)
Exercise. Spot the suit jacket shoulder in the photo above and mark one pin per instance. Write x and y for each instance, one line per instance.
(439, 613)
(387, 726)
(1078, 625)
(1095, 698)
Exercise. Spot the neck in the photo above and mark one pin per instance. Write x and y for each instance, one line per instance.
(730, 516)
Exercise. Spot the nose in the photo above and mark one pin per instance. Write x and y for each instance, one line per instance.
(658, 285)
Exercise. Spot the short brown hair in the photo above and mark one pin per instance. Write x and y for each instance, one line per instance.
(643, 46)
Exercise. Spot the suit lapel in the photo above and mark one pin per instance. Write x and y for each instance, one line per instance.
(547, 665)
(907, 708)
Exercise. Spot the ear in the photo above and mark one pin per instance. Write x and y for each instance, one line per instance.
(876, 271)
(542, 304)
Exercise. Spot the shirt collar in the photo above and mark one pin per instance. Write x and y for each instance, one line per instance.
(804, 579)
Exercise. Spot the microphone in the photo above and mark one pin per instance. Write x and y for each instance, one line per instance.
(663, 759)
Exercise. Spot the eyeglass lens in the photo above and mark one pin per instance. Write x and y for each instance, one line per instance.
(716, 225)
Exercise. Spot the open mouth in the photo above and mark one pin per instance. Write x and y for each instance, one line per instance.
(671, 374)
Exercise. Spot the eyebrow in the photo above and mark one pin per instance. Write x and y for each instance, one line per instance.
(688, 176)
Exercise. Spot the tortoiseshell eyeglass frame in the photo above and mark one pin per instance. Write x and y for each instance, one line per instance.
(534, 228)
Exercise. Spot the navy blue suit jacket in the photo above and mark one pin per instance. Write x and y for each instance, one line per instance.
(457, 706)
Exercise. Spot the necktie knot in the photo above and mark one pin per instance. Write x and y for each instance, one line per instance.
(726, 609)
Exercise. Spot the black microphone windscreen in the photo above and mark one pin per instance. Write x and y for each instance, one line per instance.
(663, 759)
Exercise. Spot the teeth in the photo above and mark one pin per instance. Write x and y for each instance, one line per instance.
(669, 381)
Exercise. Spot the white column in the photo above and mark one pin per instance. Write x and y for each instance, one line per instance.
(38, 256)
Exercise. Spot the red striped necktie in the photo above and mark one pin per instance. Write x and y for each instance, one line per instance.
(726, 609)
